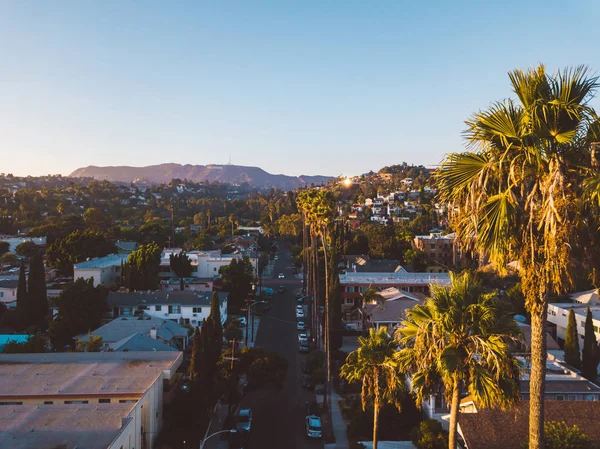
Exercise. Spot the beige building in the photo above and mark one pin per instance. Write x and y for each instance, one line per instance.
(106, 400)
(439, 248)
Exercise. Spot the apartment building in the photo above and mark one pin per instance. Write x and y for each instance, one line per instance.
(105, 270)
(439, 248)
(205, 264)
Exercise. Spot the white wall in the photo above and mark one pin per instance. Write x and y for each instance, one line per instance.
(560, 317)
(106, 276)
(187, 312)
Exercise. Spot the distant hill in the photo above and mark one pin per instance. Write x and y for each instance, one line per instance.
(232, 174)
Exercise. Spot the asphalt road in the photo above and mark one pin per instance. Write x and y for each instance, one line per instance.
(278, 417)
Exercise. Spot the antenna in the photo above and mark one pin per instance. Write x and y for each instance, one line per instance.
(229, 163)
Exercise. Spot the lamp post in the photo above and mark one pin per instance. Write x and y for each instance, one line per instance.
(253, 304)
(216, 433)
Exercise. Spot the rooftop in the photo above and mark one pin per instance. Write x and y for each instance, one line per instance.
(141, 342)
(393, 311)
(189, 298)
(9, 283)
(102, 262)
(89, 426)
(579, 309)
(586, 297)
(400, 277)
(124, 327)
(377, 266)
(87, 374)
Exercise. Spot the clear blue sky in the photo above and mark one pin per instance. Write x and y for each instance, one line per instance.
(295, 87)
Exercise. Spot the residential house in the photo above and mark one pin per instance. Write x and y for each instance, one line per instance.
(92, 400)
(8, 292)
(393, 310)
(189, 284)
(558, 316)
(205, 264)
(494, 428)
(13, 241)
(590, 297)
(126, 247)
(438, 247)
(105, 270)
(355, 284)
(160, 334)
(183, 307)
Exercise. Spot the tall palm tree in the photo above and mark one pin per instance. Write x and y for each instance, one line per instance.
(372, 295)
(373, 364)
(460, 337)
(517, 193)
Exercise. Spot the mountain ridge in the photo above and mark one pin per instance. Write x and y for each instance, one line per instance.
(232, 174)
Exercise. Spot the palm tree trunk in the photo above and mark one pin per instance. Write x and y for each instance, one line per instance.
(454, 414)
(316, 288)
(375, 422)
(327, 322)
(537, 378)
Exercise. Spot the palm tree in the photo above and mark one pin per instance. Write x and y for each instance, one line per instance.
(373, 364)
(460, 337)
(372, 295)
(517, 194)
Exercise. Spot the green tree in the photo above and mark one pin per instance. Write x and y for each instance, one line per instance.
(196, 358)
(233, 332)
(36, 292)
(140, 272)
(77, 247)
(4, 247)
(81, 307)
(372, 295)
(572, 354)
(34, 345)
(92, 344)
(9, 259)
(559, 435)
(24, 309)
(518, 193)
(181, 265)
(591, 351)
(460, 337)
(429, 434)
(237, 280)
(27, 249)
(374, 366)
(96, 220)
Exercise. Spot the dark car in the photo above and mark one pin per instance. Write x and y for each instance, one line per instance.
(281, 289)
(303, 347)
(305, 368)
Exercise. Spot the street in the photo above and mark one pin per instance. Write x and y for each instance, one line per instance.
(278, 417)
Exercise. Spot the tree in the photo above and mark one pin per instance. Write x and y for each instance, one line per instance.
(237, 280)
(196, 358)
(37, 298)
(34, 345)
(373, 365)
(4, 247)
(372, 295)
(572, 354)
(429, 434)
(181, 265)
(518, 194)
(26, 249)
(9, 259)
(23, 309)
(233, 332)
(591, 351)
(96, 220)
(77, 247)
(92, 344)
(559, 435)
(140, 272)
(81, 307)
(460, 337)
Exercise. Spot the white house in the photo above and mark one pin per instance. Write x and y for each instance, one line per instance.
(558, 315)
(8, 292)
(205, 264)
(105, 270)
(183, 307)
(92, 400)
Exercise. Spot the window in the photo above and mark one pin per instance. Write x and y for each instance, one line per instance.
(103, 401)
(590, 397)
(48, 402)
(157, 308)
(215, 269)
(349, 301)
(595, 328)
(572, 397)
(560, 397)
(174, 309)
(583, 324)
(1, 294)
(197, 310)
(76, 402)
(11, 403)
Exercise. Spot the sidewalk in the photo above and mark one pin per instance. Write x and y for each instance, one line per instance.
(338, 425)
(248, 328)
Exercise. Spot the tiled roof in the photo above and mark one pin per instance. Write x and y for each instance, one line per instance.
(495, 429)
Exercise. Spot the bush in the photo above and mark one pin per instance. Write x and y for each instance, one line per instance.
(429, 435)
(559, 435)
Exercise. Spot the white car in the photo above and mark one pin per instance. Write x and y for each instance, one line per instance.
(301, 326)
(281, 276)
(299, 313)
(313, 427)
(302, 338)
(299, 307)
(276, 258)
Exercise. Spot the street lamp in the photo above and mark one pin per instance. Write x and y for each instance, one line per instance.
(216, 433)
(253, 304)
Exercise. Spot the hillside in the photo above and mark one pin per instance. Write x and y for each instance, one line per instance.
(232, 174)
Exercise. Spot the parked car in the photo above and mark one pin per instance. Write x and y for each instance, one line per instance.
(298, 295)
(303, 339)
(276, 258)
(313, 427)
(299, 314)
(244, 420)
(281, 289)
(281, 276)
(303, 347)
(299, 307)
(242, 321)
(300, 326)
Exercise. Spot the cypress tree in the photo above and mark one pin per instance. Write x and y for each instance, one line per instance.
(195, 359)
(23, 306)
(36, 292)
(215, 317)
(572, 355)
(591, 351)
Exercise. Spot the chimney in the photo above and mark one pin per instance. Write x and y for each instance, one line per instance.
(153, 333)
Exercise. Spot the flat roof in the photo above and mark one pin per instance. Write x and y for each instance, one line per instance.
(124, 327)
(185, 298)
(9, 283)
(399, 277)
(84, 374)
(65, 426)
(102, 262)
(579, 309)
